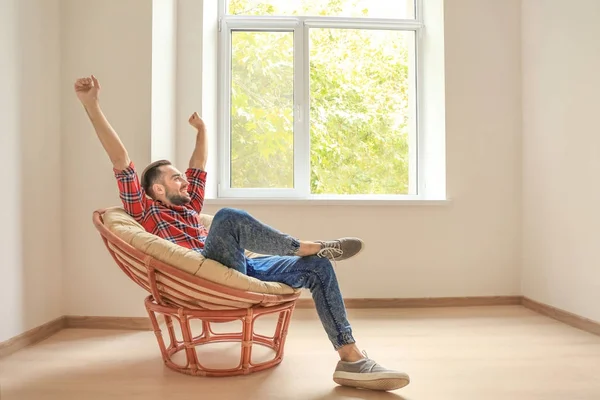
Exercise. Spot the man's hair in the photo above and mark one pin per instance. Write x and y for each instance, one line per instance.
(151, 174)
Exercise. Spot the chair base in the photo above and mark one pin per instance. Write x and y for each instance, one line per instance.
(247, 337)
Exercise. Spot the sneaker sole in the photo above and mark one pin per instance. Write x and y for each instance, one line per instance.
(374, 384)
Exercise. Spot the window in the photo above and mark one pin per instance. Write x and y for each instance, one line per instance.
(319, 98)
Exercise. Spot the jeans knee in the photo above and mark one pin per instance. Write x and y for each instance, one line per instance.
(226, 213)
(324, 264)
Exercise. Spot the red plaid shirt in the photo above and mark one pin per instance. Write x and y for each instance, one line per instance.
(178, 224)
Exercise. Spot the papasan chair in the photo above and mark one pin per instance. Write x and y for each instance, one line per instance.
(185, 286)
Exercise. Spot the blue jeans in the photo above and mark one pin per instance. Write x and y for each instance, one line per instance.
(233, 231)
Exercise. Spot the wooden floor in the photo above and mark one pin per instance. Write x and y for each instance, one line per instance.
(485, 353)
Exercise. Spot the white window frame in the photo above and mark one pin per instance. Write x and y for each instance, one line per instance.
(300, 26)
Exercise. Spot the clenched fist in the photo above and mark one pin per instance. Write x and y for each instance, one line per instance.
(197, 122)
(87, 90)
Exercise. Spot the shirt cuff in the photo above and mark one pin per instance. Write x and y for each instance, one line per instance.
(196, 173)
(129, 171)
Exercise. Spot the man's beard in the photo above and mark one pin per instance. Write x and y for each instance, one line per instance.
(178, 199)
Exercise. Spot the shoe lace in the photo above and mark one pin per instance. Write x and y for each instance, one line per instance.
(371, 363)
(331, 251)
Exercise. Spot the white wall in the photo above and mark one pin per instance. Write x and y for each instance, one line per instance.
(112, 40)
(30, 149)
(197, 36)
(561, 153)
(164, 36)
(469, 247)
(11, 302)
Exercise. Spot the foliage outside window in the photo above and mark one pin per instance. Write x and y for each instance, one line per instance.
(320, 97)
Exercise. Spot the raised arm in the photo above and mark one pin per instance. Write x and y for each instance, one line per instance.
(131, 193)
(200, 154)
(196, 173)
(87, 90)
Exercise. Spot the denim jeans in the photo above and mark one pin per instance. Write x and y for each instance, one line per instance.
(232, 231)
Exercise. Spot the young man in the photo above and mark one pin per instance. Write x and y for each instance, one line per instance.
(167, 203)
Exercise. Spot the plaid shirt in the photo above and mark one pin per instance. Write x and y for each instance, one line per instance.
(177, 224)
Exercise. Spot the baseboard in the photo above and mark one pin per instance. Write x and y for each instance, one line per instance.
(31, 336)
(422, 302)
(125, 323)
(563, 316)
(143, 323)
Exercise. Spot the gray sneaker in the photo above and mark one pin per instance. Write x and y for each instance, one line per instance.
(340, 249)
(367, 374)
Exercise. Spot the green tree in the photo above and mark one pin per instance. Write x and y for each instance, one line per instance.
(358, 110)
(262, 91)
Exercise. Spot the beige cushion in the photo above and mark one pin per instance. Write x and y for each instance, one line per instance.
(126, 228)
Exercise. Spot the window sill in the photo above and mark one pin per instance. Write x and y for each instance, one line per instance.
(327, 202)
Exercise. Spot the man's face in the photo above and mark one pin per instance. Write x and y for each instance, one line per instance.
(175, 186)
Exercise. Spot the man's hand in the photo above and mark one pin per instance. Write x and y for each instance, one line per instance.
(197, 122)
(87, 90)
